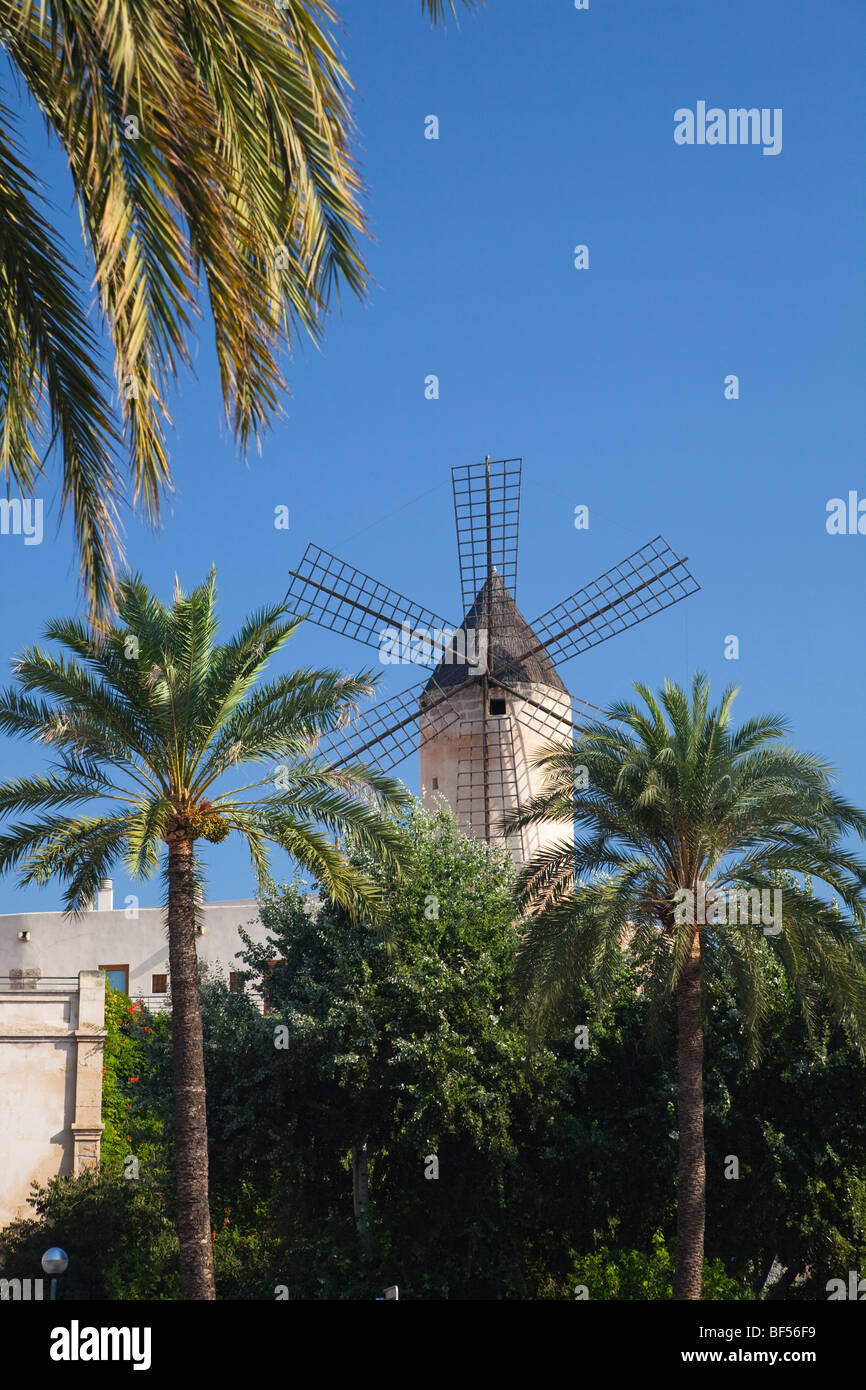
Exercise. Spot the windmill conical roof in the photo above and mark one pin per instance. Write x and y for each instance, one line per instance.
(495, 611)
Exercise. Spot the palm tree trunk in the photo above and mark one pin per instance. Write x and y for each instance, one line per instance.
(691, 1169)
(190, 1118)
(361, 1192)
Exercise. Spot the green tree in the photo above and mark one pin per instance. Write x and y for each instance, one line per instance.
(590, 1166)
(632, 1275)
(796, 1124)
(123, 1063)
(674, 807)
(385, 1047)
(119, 1235)
(208, 147)
(393, 1047)
(133, 1128)
(153, 716)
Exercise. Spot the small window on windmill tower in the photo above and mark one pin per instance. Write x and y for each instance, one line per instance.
(435, 784)
(497, 706)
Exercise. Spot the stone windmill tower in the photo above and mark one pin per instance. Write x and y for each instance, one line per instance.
(482, 764)
(495, 696)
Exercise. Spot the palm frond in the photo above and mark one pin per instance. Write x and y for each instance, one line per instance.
(204, 144)
(677, 797)
(49, 367)
(438, 10)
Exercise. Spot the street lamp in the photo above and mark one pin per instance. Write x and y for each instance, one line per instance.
(54, 1262)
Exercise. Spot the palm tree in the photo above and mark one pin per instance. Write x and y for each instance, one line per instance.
(152, 717)
(671, 809)
(205, 142)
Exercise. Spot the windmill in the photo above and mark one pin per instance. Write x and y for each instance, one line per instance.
(495, 696)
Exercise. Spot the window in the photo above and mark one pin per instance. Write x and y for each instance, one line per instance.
(497, 706)
(235, 982)
(435, 784)
(159, 984)
(118, 976)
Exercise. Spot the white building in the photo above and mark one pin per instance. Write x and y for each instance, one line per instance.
(51, 1040)
(52, 1022)
(126, 941)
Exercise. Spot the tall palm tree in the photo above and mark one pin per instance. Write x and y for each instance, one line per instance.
(205, 142)
(670, 810)
(154, 718)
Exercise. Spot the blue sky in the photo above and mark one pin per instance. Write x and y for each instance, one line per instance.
(556, 129)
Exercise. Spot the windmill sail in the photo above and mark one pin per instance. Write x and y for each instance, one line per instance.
(336, 595)
(645, 583)
(388, 733)
(487, 519)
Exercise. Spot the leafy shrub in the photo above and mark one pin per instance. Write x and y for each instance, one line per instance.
(132, 1123)
(632, 1275)
(117, 1232)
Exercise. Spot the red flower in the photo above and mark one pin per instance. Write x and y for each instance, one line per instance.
(133, 1078)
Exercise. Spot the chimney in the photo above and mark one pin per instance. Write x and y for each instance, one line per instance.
(105, 896)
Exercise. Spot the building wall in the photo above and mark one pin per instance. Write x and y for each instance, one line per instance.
(125, 935)
(52, 1011)
(51, 1042)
